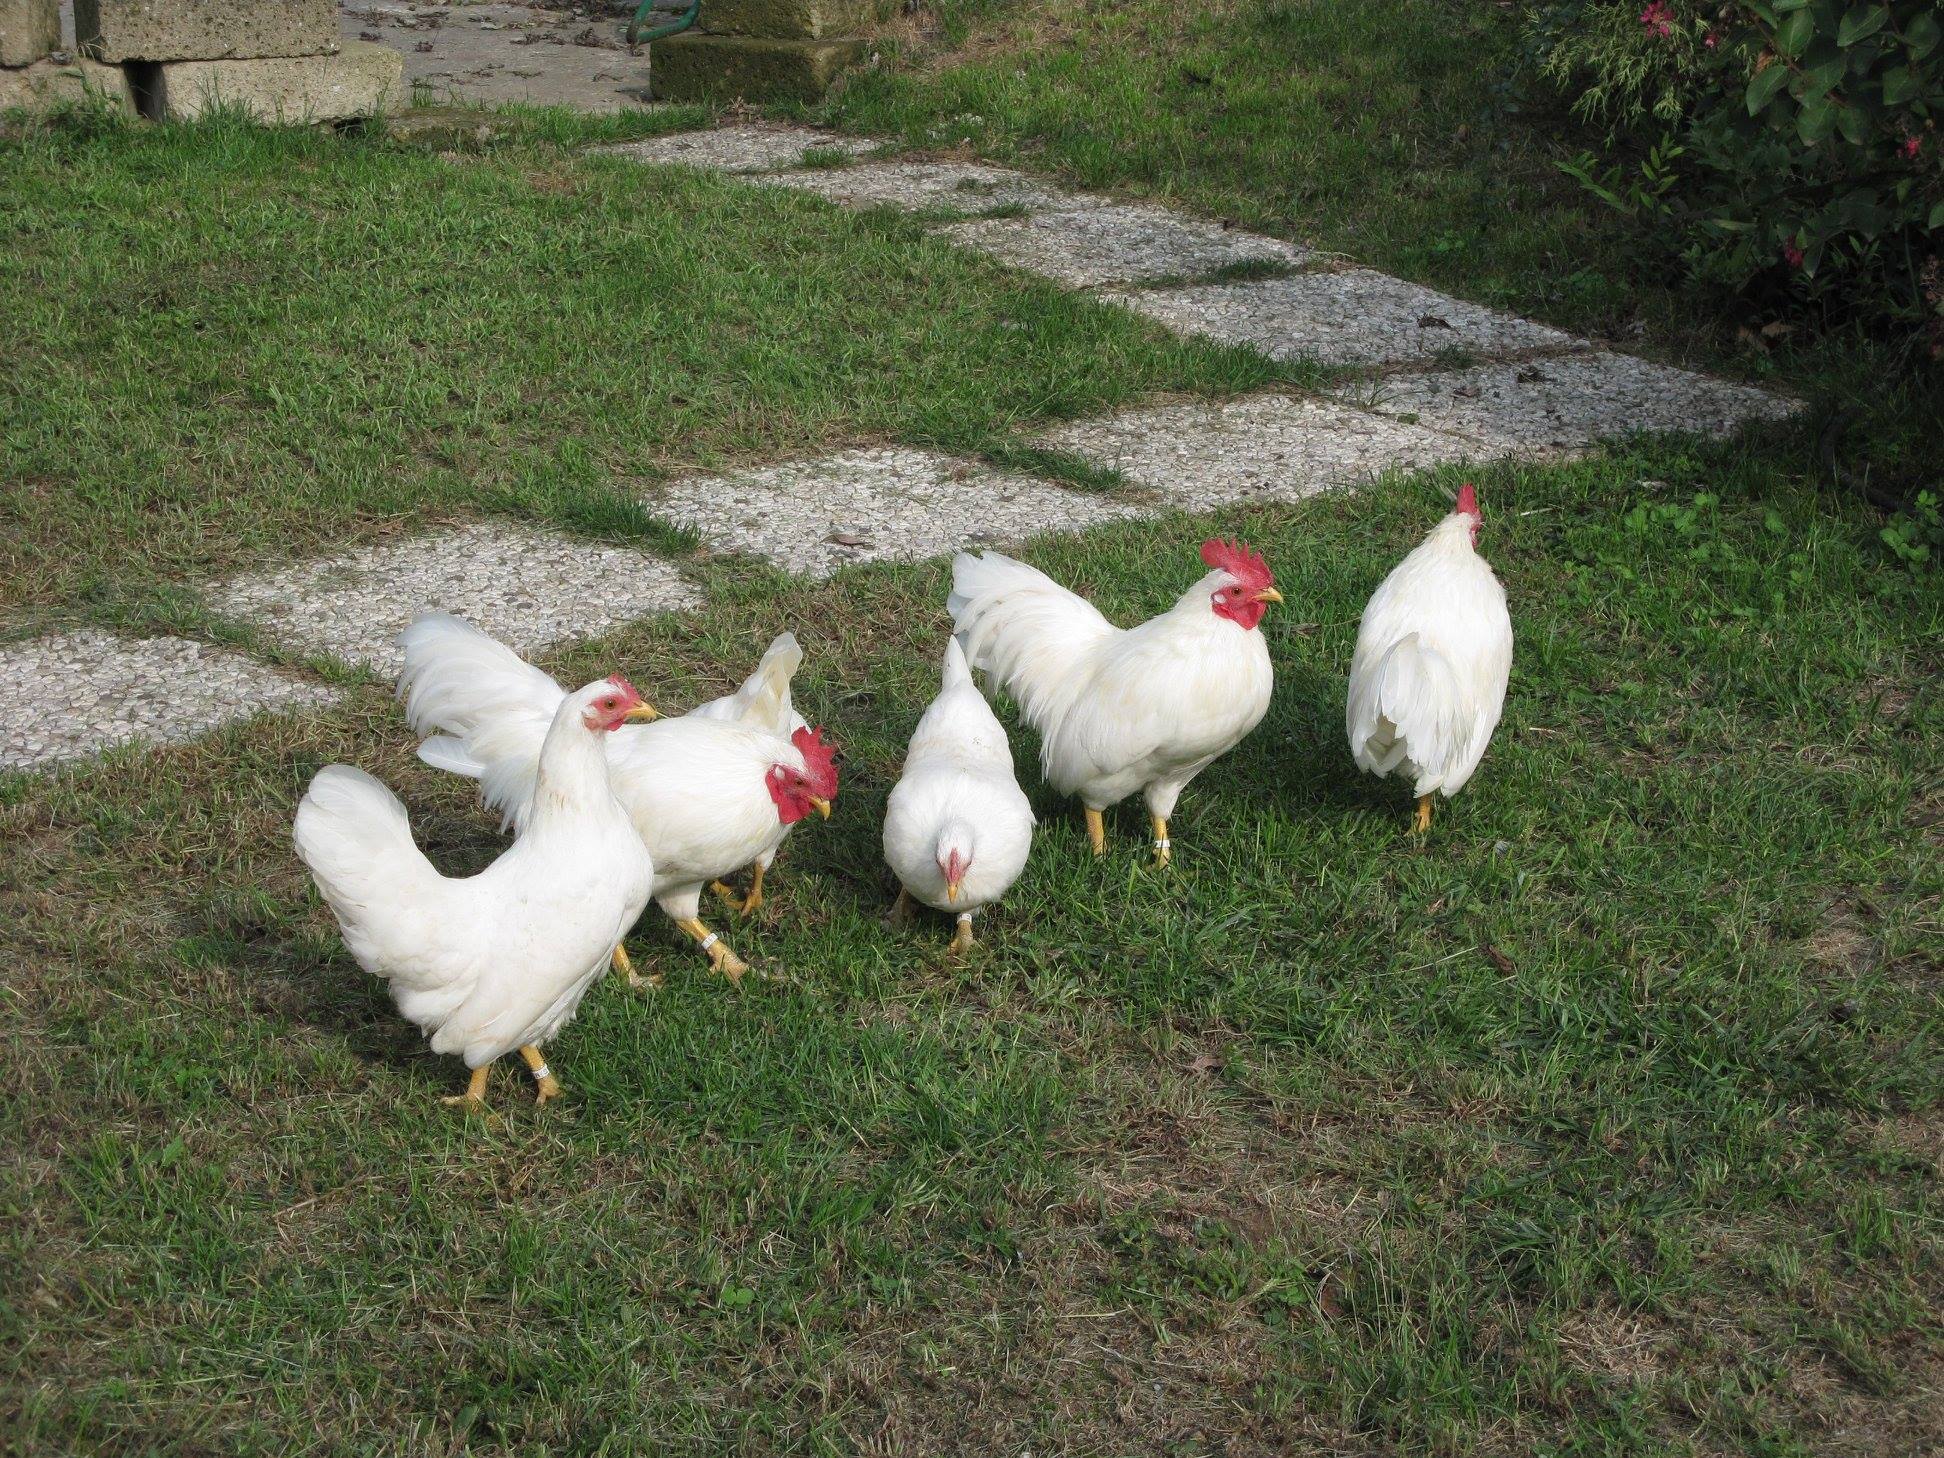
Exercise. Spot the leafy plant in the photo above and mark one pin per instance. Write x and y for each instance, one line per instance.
(1791, 143)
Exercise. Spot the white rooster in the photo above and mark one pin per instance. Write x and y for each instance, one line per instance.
(708, 796)
(1123, 709)
(496, 961)
(763, 699)
(957, 828)
(1434, 653)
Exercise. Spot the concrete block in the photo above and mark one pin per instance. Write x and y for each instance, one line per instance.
(692, 67)
(29, 29)
(361, 80)
(47, 84)
(791, 19)
(204, 30)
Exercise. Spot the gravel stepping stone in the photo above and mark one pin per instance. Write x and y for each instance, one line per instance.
(1356, 317)
(1567, 402)
(966, 187)
(526, 587)
(70, 695)
(1197, 456)
(1118, 243)
(891, 504)
(739, 149)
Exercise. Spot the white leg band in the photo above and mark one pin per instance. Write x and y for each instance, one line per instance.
(542, 1071)
(965, 918)
(709, 941)
(1161, 842)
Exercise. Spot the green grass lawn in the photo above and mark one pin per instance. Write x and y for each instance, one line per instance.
(1607, 1122)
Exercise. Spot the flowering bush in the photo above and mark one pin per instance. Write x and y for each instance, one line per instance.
(1787, 142)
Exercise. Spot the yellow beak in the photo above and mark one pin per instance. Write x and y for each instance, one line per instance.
(822, 807)
(641, 713)
(951, 890)
(1268, 594)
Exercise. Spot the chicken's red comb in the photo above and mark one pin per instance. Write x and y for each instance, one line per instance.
(819, 761)
(1468, 501)
(1244, 565)
(622, 686)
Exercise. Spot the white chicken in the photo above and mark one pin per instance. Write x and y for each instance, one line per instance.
(1123, 709)
(763, 699)
(1434, 653)
(707, 796)
(497, 961)
(957, 828)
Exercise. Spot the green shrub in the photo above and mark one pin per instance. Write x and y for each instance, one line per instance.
(1784, 145)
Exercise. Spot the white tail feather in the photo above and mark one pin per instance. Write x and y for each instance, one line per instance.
(1024, 629)
(763, 699)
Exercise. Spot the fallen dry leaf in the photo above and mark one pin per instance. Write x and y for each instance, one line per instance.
(1497, 958)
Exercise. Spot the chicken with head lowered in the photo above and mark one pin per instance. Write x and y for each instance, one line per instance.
(497, 961)
(1118, 710)
(762, 699)
(957, 828)
(707, 796)
(1433, 657)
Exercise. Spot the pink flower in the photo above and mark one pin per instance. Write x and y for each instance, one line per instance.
(1792, 255)
(1912, 146)
(1710, 40)
(1657, 18)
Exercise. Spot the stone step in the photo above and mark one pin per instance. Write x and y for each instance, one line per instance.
(70, 695)
(1355, 317)
(891, 503)
(527, 587)
(965, 187)
(1108, 243)
(737, 149)
(1567, 402)
(1197, 456)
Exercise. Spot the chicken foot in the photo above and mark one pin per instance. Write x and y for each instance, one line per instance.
(720, 957)
(962, 938)
(622, 964)
(475, 1095)
(1162, 853)
(742, 905)
(901, 908)
(1096, 831)
(1422, 823)
(545, 1084)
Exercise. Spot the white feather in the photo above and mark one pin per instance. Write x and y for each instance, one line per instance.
(695, 786)
(1433, 657)
(958, 793)
(1118, 710)
(496, 961)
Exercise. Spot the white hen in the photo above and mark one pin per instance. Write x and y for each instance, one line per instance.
(496, 961)
(1123, 709)
(707, 796)
(1434, 653)
(957, 828)
(763, 699)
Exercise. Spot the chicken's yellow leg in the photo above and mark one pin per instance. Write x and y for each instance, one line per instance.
(475, 1095)
(1162, 854)
(652, 981)
(1096, 831)
(1423, 821)
(543, 1080)
(742, 905)
(962, 938)
(901, 908)
(720, 957)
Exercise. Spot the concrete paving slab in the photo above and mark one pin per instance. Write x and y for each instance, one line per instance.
(887, 504)
(70, 695)
(1567, 402)
(527, 587)
(1197, 455)
(1356, 317)
(739, 149)
(1119, 243)
(966, 187)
